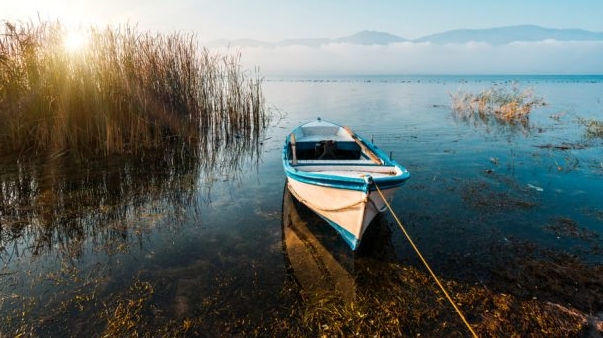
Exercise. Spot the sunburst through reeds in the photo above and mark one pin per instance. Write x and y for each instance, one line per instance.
(83, 111)
(122, 91)
(105, 135)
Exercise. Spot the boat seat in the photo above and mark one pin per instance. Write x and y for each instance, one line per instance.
(328, 152)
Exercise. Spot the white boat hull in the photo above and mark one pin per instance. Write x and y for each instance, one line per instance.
(349, 211)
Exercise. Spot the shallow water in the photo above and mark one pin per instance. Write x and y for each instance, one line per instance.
(212, 245)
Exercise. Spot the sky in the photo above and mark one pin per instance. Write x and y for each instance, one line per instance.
(275, 20)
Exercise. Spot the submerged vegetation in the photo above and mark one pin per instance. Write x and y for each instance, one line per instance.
(121, 91)
(503, 104)
(523, 299)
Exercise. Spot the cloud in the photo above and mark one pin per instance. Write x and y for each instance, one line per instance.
(547, 56)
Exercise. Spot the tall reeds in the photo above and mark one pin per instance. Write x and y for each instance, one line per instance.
(176, 112)
(124, 92)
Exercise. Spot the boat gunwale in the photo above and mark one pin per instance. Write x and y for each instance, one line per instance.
(347, 182)
(297, 171)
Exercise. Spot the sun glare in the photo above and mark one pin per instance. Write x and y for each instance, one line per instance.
(75, 40)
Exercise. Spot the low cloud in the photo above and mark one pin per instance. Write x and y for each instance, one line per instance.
(543, 57)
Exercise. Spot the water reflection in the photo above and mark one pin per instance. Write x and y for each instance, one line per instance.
(492, 124)
(317, 270)
(59, 204)
(318, 259)
(68, 226)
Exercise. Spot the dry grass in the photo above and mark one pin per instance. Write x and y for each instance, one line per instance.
(505, 105)
(125, 92)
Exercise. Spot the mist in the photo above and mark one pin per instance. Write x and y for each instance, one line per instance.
(543, 57)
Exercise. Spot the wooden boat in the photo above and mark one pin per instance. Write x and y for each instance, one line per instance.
(335, 173)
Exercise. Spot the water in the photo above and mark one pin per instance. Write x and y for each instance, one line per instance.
(205, 253)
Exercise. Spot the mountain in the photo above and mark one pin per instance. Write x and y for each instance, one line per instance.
(238, 43)
(505, 35)
(493, 36)
(257, 43)
(361, 38)
(303, 42)
(371, 38)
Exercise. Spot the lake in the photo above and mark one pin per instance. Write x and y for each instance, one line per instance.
(166, 249)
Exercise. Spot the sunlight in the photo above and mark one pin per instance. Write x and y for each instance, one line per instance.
(75, 40)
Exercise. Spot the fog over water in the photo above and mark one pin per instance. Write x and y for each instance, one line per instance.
(542, 57)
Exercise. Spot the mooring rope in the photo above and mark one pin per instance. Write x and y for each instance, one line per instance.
(426, 264)
(314, 206)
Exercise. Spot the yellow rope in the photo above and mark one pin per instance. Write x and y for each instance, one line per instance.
(426, 264)
(314, 206)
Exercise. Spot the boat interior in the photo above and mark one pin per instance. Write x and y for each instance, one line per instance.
(327, 150)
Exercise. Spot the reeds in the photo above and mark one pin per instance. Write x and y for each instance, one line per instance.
(177, 114)
(594, 128)
(503, 104)
(125, 92)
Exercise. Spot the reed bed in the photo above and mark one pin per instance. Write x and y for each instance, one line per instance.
(102, 144)
(124, 92)
(503, 104)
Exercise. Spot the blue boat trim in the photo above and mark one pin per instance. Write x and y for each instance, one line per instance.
(348, 183)
(347, 236)
(342, 182)
(330, 181)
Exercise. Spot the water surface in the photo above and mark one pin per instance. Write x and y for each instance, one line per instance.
(77, 241)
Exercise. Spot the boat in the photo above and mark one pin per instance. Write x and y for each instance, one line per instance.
(336, 173)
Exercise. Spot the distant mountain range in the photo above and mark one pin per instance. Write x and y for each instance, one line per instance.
(494, 36)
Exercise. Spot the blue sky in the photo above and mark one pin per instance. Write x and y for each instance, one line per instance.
(274, 20)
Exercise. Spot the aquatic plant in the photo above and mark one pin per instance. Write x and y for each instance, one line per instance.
(594, 128)
(124, 92)
(506, 105)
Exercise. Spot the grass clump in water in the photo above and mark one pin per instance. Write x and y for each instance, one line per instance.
(124, 92)
(505, 105)
(594, 128)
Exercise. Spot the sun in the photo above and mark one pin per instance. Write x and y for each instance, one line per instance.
(75, 40)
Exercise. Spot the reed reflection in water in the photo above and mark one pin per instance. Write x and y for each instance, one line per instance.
(66, 226)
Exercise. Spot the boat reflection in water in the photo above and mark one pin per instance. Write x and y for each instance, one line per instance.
(319, 260)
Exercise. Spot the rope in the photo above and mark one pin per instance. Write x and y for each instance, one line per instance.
(314, 206)
(427, 265)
